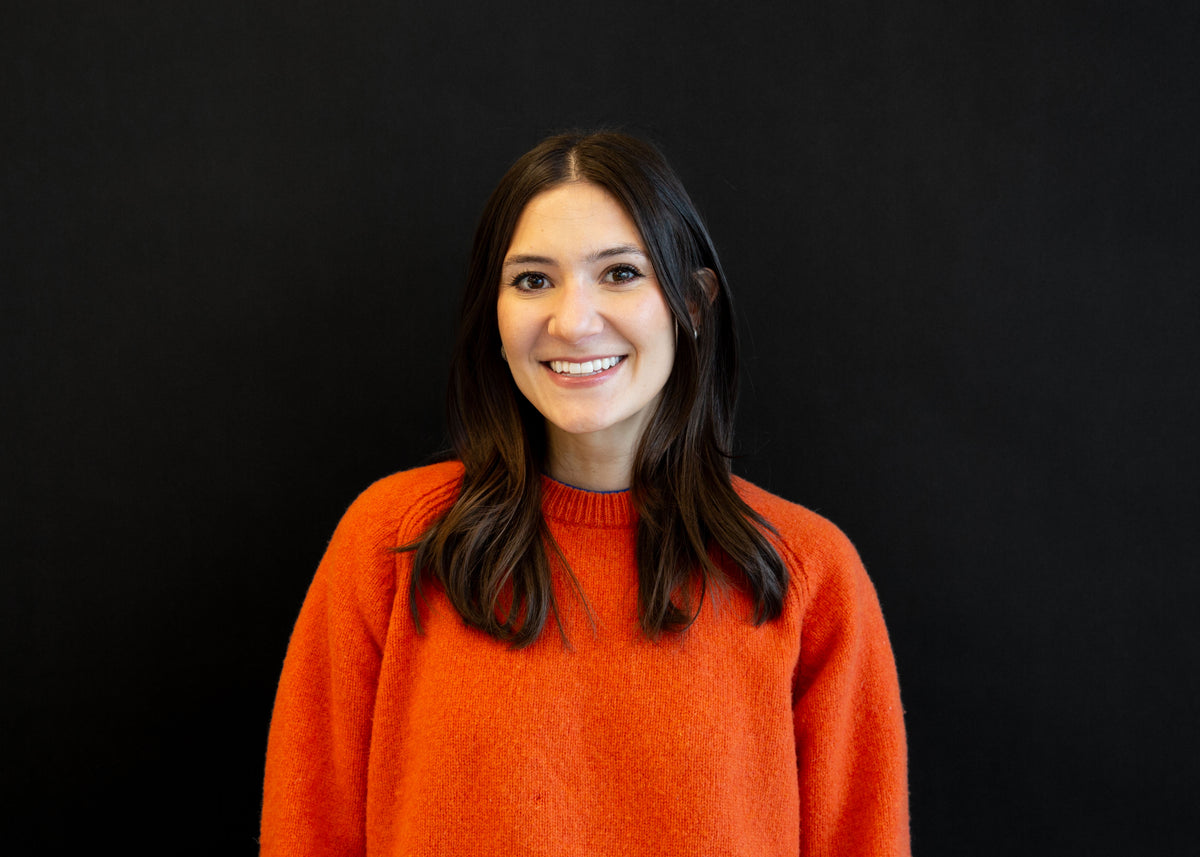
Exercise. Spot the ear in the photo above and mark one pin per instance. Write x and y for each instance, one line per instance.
(707, 280)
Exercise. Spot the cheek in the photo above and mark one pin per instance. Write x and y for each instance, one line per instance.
(659, 326)
(518, 336)
(508, 323)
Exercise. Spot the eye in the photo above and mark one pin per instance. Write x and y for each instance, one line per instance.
(622, 274)
(530, 281)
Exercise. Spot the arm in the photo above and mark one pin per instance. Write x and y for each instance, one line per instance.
(849, 723)
(314, 795)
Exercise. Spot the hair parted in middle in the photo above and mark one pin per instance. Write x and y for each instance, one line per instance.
(491, 550)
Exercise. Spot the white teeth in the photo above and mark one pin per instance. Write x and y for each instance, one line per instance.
(588, 367)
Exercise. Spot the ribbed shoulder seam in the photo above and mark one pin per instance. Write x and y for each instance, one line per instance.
(399, 508)
(804, 536)
(411, 500)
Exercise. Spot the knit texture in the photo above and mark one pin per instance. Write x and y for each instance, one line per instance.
(729, 739)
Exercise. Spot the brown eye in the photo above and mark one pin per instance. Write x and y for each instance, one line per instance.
(530, 282)
(623, 274)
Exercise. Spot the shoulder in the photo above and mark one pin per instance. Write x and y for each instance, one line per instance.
(800, 529)
(400, 507)
(812, 546)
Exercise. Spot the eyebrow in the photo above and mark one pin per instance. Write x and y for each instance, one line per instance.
(606, 253)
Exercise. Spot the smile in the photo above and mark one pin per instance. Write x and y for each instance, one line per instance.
(588, 367)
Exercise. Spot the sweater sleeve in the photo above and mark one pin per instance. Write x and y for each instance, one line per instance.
(314, 795)
(849, 723)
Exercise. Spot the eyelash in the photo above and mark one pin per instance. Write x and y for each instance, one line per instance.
(519, 281)
(625, 268)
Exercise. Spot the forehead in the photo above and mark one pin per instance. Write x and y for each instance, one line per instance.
(575, 215)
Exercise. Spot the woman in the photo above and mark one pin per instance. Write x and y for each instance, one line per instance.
(583, 636)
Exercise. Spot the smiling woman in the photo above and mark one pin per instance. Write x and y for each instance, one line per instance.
(588, 335)
(720, 681)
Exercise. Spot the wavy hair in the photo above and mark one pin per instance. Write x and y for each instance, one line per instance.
(492, 551)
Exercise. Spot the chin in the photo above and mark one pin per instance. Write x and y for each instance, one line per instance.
(580, 426)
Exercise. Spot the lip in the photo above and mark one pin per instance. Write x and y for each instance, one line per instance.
(575, 381)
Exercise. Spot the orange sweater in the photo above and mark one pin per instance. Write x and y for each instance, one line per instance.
(730, 739)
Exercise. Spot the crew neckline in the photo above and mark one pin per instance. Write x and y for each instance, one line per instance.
(573, 505)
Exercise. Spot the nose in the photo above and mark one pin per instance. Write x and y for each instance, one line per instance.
(575, 314)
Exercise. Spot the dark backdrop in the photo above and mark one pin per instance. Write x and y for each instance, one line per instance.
(963, 241)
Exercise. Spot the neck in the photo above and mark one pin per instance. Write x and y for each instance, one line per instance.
(589, 461)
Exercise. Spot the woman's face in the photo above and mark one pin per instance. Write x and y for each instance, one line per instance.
(587, 333)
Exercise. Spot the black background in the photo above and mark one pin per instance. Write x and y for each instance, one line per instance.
(963, 240)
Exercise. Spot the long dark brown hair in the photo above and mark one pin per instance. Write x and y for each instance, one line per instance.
(492, 551)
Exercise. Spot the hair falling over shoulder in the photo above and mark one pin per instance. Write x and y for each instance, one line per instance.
(492, 551)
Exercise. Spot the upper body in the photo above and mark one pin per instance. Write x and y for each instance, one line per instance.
(730, 738)
(660, 660)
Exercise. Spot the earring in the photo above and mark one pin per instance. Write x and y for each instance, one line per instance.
(695, 333)
(503, 356)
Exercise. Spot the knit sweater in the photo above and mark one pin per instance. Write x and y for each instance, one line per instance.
(728, 739)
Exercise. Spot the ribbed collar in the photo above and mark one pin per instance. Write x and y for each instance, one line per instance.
(591, 508)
